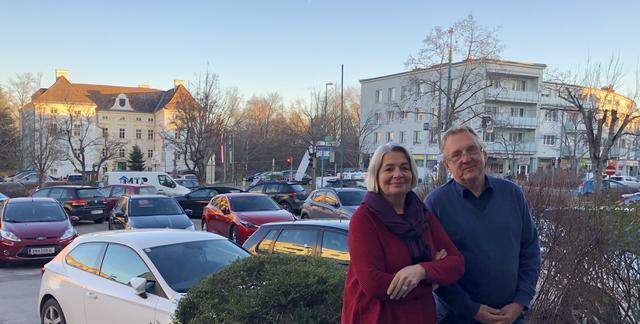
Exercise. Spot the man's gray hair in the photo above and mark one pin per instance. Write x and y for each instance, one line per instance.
(458, 130)
(376, 163)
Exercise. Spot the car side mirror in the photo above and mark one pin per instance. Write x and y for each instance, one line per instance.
(139, 286)
(189, 212)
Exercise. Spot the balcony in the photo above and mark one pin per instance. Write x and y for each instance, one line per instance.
(515, 122)
(503, 94)
(511, 147)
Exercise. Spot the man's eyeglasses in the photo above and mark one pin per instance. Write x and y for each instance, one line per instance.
(471, 151)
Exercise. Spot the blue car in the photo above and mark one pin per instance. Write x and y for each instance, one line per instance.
(586, 187)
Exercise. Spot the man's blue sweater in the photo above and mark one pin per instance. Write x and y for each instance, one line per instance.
(499, 241)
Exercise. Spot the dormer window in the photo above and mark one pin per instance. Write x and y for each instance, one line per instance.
(122, 102)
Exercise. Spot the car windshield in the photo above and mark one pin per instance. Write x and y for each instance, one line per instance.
(27, 212)
(90, 193)
(252, 203)
(351, 198)
(154, 206)
(147, 190)
(183, 265)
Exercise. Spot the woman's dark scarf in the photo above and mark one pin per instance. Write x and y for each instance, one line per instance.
(409, 227)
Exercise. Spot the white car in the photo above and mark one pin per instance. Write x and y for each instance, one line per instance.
(627, 180)
(129, 276)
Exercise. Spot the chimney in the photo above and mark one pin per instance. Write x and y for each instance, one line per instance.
(177, 83)
(143, 85)
(62, 73)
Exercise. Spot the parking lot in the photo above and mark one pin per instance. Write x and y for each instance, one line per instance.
(19, 285)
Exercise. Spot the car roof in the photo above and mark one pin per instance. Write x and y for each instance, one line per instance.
(148, 196)
(145, 238)
(128, 185)
(241, 194)
(30, 200)
(72, 187)
(332, 223)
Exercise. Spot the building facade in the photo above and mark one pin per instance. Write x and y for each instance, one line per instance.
(526, 126)
(96, 118)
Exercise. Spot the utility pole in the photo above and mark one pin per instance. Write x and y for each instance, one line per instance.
(341, 120)
(324, 132)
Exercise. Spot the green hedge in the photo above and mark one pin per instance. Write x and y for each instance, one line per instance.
(267, 289)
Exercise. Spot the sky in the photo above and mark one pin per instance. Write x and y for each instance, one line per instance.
(291, 47)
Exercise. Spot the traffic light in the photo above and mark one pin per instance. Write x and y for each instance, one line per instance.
(311, 159)
(290, 161)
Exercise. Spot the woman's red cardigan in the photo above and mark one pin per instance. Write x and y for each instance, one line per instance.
(376, 255)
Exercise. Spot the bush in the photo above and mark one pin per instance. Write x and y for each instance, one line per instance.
(268, 289)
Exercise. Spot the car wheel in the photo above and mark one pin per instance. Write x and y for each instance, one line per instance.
(52, 313)
(286, 206)
(233, 234)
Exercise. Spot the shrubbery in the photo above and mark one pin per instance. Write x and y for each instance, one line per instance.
(267, 289)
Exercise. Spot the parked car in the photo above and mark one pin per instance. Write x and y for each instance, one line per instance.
(161, 180)
(33, 229)
(346, 183)
(32, 178)
(324, 238)
(289, 195)
(129, 277)
(238, 215)
(332, 203)
(113, 192)
(250, 178)
(611, 186)
(149, 211)
(19, 175)
(198, 198)
(629, 199)
(188, 183)
(75, 178)
(627, 181)
(289, 175)
(86, 202)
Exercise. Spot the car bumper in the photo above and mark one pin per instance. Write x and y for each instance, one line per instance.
(90, 214)
(21, 251)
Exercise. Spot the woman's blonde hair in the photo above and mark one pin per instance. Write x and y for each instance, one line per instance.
(376, 163)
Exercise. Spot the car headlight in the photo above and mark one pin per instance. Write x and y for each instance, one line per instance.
(248, 224)
(68, 233)
(9, 236)
(191, 228)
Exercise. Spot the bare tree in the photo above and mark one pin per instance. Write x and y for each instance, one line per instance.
(199, 120)
(605, 113)
(20, 90)
(453, 91)
(47, 146)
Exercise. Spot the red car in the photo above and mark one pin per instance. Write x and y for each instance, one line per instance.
(237, 215)
(113, 192)
(33, 229)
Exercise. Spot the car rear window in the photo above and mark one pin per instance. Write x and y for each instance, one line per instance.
(154, 206)
(89, 193)
(148, 190)
(351, 198)
(34, 212)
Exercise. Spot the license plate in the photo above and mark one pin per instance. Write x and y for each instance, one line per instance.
(45, 250)
(96, 211)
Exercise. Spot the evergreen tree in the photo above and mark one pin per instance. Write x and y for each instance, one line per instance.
(136, 159)
(9, 137)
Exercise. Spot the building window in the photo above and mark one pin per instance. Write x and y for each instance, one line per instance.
(76, 129)
(53, 171)
(517, 112)
(392, 94)
(121, 153)
(138, 118)
(54, 111)
(515, 137)
(105, 117)
(378, 117)
(105, 132)
(493, 82)
(549, 140)
(376, 138)
(122, 102)
(422, 89)
(378, 98)
(489, 137)
(150, 153)
(122, 118)
(121, 132)
(416, 137)
(433, 137)
(121, 166)
(150, 134)
(404, 92)
(551, 115)
(419, 116)
(391, 116)
(490, 110)
(518, 85)
(138, 133)
(390, 137)
(150, 119)
(403, 137)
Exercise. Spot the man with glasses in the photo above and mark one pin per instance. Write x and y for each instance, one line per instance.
(488, 219)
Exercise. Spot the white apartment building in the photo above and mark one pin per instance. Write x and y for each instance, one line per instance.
(522, 114)
(133, 115)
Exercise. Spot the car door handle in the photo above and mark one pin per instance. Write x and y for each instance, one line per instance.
(92, 295)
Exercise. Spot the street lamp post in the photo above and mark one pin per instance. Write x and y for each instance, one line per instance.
(324, 131)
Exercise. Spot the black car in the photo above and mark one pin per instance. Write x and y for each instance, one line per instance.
(198, 198)
(289, 195)
(149, 211)
(332, 203)
(324, 238)
(85, 202)
(346, 183)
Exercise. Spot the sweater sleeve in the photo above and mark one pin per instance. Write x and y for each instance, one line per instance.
(449, 269)
(368, 259)
(529, 263)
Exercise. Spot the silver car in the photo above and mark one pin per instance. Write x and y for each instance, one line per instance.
(332, 203)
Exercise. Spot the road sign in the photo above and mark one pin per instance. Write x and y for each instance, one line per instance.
(610, 170)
